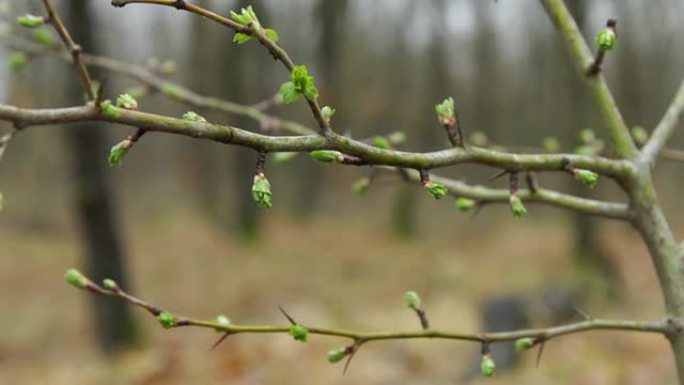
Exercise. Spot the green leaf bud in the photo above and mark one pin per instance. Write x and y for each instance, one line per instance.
(361, 186)
(487, 367)
(522, 344)
(110, 110)
(17, 61)
(303, 83)
(261, 192)
(587, 135)
(325, 156)
(606, 39)
(241, 38)
(30, 21)
(44, 37)
(639, 134)
(335, 356)
(412, 300)
(76, 279)
(246, 16)
(109, 284)
(127, 102)
(551, 144)
(118, 152)
(166, 319)
(445, 112)
(299, 333)
(478, 138)
(272, 34)
(287, 93)
(171, 91)
(192, 116)
(517, 207)
(221, 320)
(397, 138)
(327, 113)
(585, 150)
(381, 142)
(283, 157)
(465, 204)
(436, 190)
(589, 178)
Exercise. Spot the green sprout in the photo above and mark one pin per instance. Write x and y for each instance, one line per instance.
(109, 284)
(487, 367)
(166, 319)
(221, 320)
(361, 186)
(517, 207)
(412, 300)
(171, 91)
(588, 178)
(17, 61)
(606, 39)
(248, 17)
(127, 102)
(327, 113)
(335, 356)
(325, 156)
(465, 204)
(445, 112)
(381, 142)
(283, 157)
(77, 279)
(118, 152)
(639, 134)
(261, 192)
(551, 144)
(30, 21)
(110, 110)
(44, 37)
(522, 344)
(436, 190)
(192, 116)
(300, 84)
(299, 333)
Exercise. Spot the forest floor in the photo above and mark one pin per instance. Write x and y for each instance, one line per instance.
(325, 273)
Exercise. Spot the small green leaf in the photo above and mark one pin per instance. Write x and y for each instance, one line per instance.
(166, 319)
(76, 279)
(588, 178)
(109, 110)
(325, 156)
(109, 284)
(517, 207)
(118, 152)
(640, 135)
(445, 112)
(551, 144)
(283, 157)
(487, 367)
(381, 142)
(272, 34)
(126, 102)
(30, 21)
(465, 204)
(288, 93)
(17, 61)
(44, 37)
(606, 39)
(299, 333)
(412, 300)
(245, 16)
(327, 113)
(303, 83)
(335, 356)
(171, 91)
(522, 344)
(436, 190)
(361, 186)
(192, 116)
(241, 38)
(261, 192)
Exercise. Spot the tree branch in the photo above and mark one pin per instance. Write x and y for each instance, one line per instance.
(23, 117)
(665, 128)
(72, 47)
(666, 326)
(581, 56)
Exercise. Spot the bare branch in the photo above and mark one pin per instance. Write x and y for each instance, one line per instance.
(665, 128)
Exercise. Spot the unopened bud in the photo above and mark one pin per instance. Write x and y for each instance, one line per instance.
(445, 112)
(517, 207)
(30, 21)
(109, 284)
(127, 102)
(76, 279)
(437, 190)
(335, 356)
(640, 135)
(44, 37)
(589, 178)
(465, 204)
(606, 39)
(361, 186)
(381, 142)
(412, 300)
(327, 113)
(192, 116)
(487, 367)
(325, 156)
(522, 344)
(299, 333)
(261, 191)
(118, 152)
(221, 320)
(166, 320)
(17, 61)
(283, 157)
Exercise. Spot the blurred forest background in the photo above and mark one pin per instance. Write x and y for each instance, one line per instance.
(176, 224)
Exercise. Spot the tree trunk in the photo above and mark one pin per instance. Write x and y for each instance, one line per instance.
(114, 325)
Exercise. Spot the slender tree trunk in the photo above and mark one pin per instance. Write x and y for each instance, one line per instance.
(92, 199)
